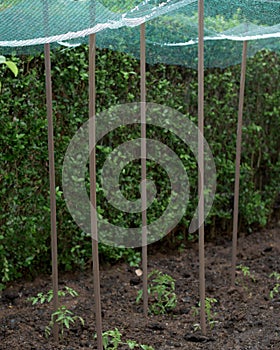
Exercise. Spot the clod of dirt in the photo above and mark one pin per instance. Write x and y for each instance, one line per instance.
(134, 281)
(197, 338)
(10, 294)
(156, 327)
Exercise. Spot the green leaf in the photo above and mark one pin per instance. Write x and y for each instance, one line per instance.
(82, 320)
(12, 66)
(66, 322)
(105, 341)
(2, 59)
(131, 344)
(47, 331)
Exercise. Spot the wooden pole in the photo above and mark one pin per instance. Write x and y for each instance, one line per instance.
(92, 171)
(143, 168)
(52, 184)
(237, 162)
(201, 163)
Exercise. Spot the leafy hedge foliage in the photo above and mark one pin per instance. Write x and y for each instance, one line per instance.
(24, 216)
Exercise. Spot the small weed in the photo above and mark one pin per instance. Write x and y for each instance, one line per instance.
(162, 290)
(112, 339)
(276, 288)
(209, 314)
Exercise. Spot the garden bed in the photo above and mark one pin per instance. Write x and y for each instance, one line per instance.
(245, 316)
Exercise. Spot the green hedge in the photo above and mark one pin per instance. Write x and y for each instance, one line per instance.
(25, 216)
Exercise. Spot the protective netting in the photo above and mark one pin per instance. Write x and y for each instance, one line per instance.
(171, 27)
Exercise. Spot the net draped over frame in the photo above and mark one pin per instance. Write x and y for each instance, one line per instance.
(171, 27)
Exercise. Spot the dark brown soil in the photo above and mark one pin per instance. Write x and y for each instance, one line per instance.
(247, 318)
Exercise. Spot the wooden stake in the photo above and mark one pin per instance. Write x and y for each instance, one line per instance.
(52, 184)
(143, 168)
(201, 163)
(92, 171)
(237, 162)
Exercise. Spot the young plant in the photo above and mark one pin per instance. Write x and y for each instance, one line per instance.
(131, 344)
(43, 298)
(63, 317)
(162, 292)
(245, 270)
(209, 313)
(112, 340)
(276, 288)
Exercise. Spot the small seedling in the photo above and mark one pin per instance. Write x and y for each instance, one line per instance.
(209, 314)
(63, 317)
(276, 288)
(112, 339)
(245, 270)
(43, 298)
(162, 292)
(131, 344)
